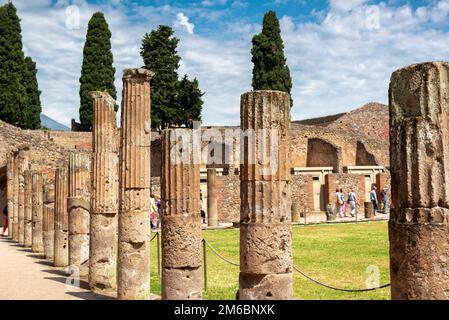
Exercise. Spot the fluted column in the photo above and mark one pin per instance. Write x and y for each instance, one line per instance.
(15, 199)
(28, 216)
(61, 228)
(419, 144)
(78, 207)
(23, 166)
(37, 212)
(135, 187)
(104, 205)
(265, 216)
(10, 191)
(48, 221)
(212, 198)
(181, 216)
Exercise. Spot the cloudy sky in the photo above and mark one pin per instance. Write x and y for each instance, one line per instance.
(341, 53)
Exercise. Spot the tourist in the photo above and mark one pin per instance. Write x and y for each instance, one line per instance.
(158, 204)
(373, 198)
(203, 213)
(383, 196)
(338, 202)
(353, 201)
(5, 221)
(343, 203)
(153, 212)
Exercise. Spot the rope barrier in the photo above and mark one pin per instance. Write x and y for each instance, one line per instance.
(336, 288)
(300, 272)
(219, 255)
(154, 237)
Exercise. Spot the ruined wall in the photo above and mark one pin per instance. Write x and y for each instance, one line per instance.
(302, 192)
(347, 182)
(321, 153)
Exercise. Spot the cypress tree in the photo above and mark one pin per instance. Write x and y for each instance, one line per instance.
(190, 103)
(160, 56)
(32, 114)
(270, 65)
(13, 95)
(97, 72)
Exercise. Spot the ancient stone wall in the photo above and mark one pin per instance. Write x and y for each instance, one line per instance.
(302, 192)
(347, 182)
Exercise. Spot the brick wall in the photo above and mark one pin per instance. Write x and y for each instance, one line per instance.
(302, 192)
(347, 182)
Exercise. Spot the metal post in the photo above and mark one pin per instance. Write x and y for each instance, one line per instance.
(305, 216)
(158, 254)
(205, 264)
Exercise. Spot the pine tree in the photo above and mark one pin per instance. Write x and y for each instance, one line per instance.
(13, 96)
(97, 72)
(270, 65)
(160, 56)
(32, 113)
(189, 102)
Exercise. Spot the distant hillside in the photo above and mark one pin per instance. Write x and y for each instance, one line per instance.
(51, 124)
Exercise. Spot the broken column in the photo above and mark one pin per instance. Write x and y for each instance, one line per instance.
(103, 217)
(23, 166)
(78, 207)
(181, 216)
(212, 198)
(419, 144)
(48, 220)
(61, 228)
(14, 220)
(265, 216)
(37, 211)
(135, 187)
(28, 216)
(10, 191)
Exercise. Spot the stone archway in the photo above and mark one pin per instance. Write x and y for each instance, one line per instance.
(322, 153)
(363, 157)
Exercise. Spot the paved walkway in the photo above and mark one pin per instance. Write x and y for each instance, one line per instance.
(27, 276)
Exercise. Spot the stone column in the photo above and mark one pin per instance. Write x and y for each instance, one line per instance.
(37, 212)
(181, 217)
(15, 199)
(78, 207)
(10, 192)
(28, 216)
(212, 199)
(265, 229)
(23, 166)
(419, 145)
(61, 234)
(135, 187)
(48, 221)
(103, 217)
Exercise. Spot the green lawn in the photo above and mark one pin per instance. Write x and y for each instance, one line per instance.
(337, 254)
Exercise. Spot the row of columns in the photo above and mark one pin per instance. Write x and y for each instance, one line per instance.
(118, 210)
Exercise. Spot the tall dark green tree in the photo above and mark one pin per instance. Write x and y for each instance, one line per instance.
(270, 65)
(32, 113)
(159, 53)
(97, 72)
(13, 95)
(189, 102)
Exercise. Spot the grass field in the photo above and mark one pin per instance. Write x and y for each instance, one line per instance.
(337, 254)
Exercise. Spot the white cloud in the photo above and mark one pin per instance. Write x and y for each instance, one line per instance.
(182, 22)
(345, 5)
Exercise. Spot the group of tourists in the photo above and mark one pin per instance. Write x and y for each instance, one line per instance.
(155, 211)
(353, 202)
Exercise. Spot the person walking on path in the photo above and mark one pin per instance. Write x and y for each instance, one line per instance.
(353, 202)
(343, 205)
(373, 198)
(153, 212)
(338, 203)
(5, 221)
(384, 198)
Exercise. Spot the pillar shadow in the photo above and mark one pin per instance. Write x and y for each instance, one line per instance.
(82, 284)
(45, 263)
(90, 296)
(36, 256)
(26, 250)
(56, 272)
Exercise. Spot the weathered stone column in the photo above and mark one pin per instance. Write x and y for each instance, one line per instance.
(28, 217)
(37, 211)
(15, 212)
(23, 166)
(78, 207)
(48, 221)
(61, 236)
(10, 192)
(419, 148)
(265, 229)
(181, 216)
(104, 205)
(135, 187)
(212, 200)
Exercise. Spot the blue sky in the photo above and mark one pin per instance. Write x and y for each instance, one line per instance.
(341, 52)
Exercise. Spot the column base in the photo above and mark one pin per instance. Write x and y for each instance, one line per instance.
(266, 286)
(182, 284)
